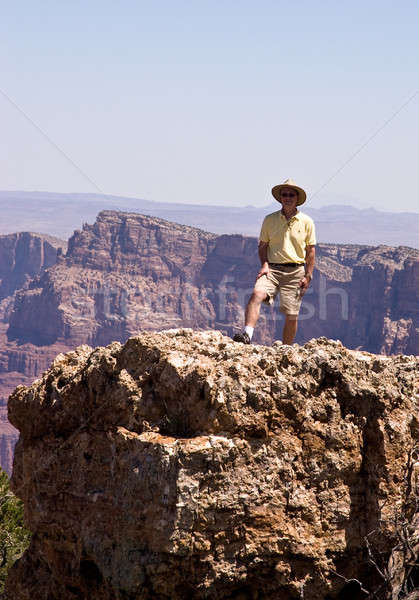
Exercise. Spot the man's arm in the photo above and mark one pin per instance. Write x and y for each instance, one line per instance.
(310, 258)
(263, 255)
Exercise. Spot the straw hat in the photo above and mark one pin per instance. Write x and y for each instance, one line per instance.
(289, 183)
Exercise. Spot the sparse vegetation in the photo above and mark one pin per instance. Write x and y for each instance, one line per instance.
(14, 538)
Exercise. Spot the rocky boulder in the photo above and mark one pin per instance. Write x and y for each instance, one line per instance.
(184, 466)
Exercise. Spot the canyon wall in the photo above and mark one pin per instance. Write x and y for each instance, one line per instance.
(23, 256)
(128, 273)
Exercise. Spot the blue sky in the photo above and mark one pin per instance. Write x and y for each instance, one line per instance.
(212, 102)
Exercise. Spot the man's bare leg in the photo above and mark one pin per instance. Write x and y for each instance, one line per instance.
(290, 329)
(251, 317)
(253, 308)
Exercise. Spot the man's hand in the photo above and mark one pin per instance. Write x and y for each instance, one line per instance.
(264, 270)
(304, 284)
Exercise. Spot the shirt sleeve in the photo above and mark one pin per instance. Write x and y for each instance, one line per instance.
(264, 234)
(310, 234)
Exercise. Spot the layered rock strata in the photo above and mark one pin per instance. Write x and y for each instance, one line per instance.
(182, 465)
(129, 273)
(23, 256)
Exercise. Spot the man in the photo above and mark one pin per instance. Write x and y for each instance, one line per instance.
(287, 252)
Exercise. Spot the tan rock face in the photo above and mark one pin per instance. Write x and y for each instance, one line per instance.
(182, 465)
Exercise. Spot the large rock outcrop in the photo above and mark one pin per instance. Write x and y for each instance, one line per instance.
(184, 466)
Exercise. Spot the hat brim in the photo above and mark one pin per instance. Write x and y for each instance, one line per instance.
(276, 191)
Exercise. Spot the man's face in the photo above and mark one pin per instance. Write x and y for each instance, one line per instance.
(288, 198)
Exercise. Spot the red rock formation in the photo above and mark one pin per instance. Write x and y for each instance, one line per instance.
(128, 272)
(23, 256)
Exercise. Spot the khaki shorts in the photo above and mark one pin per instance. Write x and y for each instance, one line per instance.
(284, 280)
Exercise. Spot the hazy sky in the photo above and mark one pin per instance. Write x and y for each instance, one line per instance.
(212, 102)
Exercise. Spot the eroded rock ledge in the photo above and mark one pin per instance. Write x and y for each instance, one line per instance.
(183, 466)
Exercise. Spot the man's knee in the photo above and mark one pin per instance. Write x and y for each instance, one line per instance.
(257, 297)
(290, 318)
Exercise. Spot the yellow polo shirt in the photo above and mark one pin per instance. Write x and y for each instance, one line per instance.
(287, 239)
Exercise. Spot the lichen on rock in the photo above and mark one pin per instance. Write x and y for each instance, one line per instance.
(182, 465)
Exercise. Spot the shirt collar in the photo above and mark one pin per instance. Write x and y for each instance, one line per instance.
(297, 216)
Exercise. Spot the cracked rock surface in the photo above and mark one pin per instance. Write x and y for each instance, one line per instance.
(184, 466)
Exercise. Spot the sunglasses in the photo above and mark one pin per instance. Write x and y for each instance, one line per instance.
(285, 195)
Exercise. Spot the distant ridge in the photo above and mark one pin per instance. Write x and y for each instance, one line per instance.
(60, 214)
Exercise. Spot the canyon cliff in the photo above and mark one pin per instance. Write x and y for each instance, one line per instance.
(23, 256)
(183, 465)
(128, 273)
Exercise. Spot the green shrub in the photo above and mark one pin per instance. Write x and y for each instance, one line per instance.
(14, 538)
